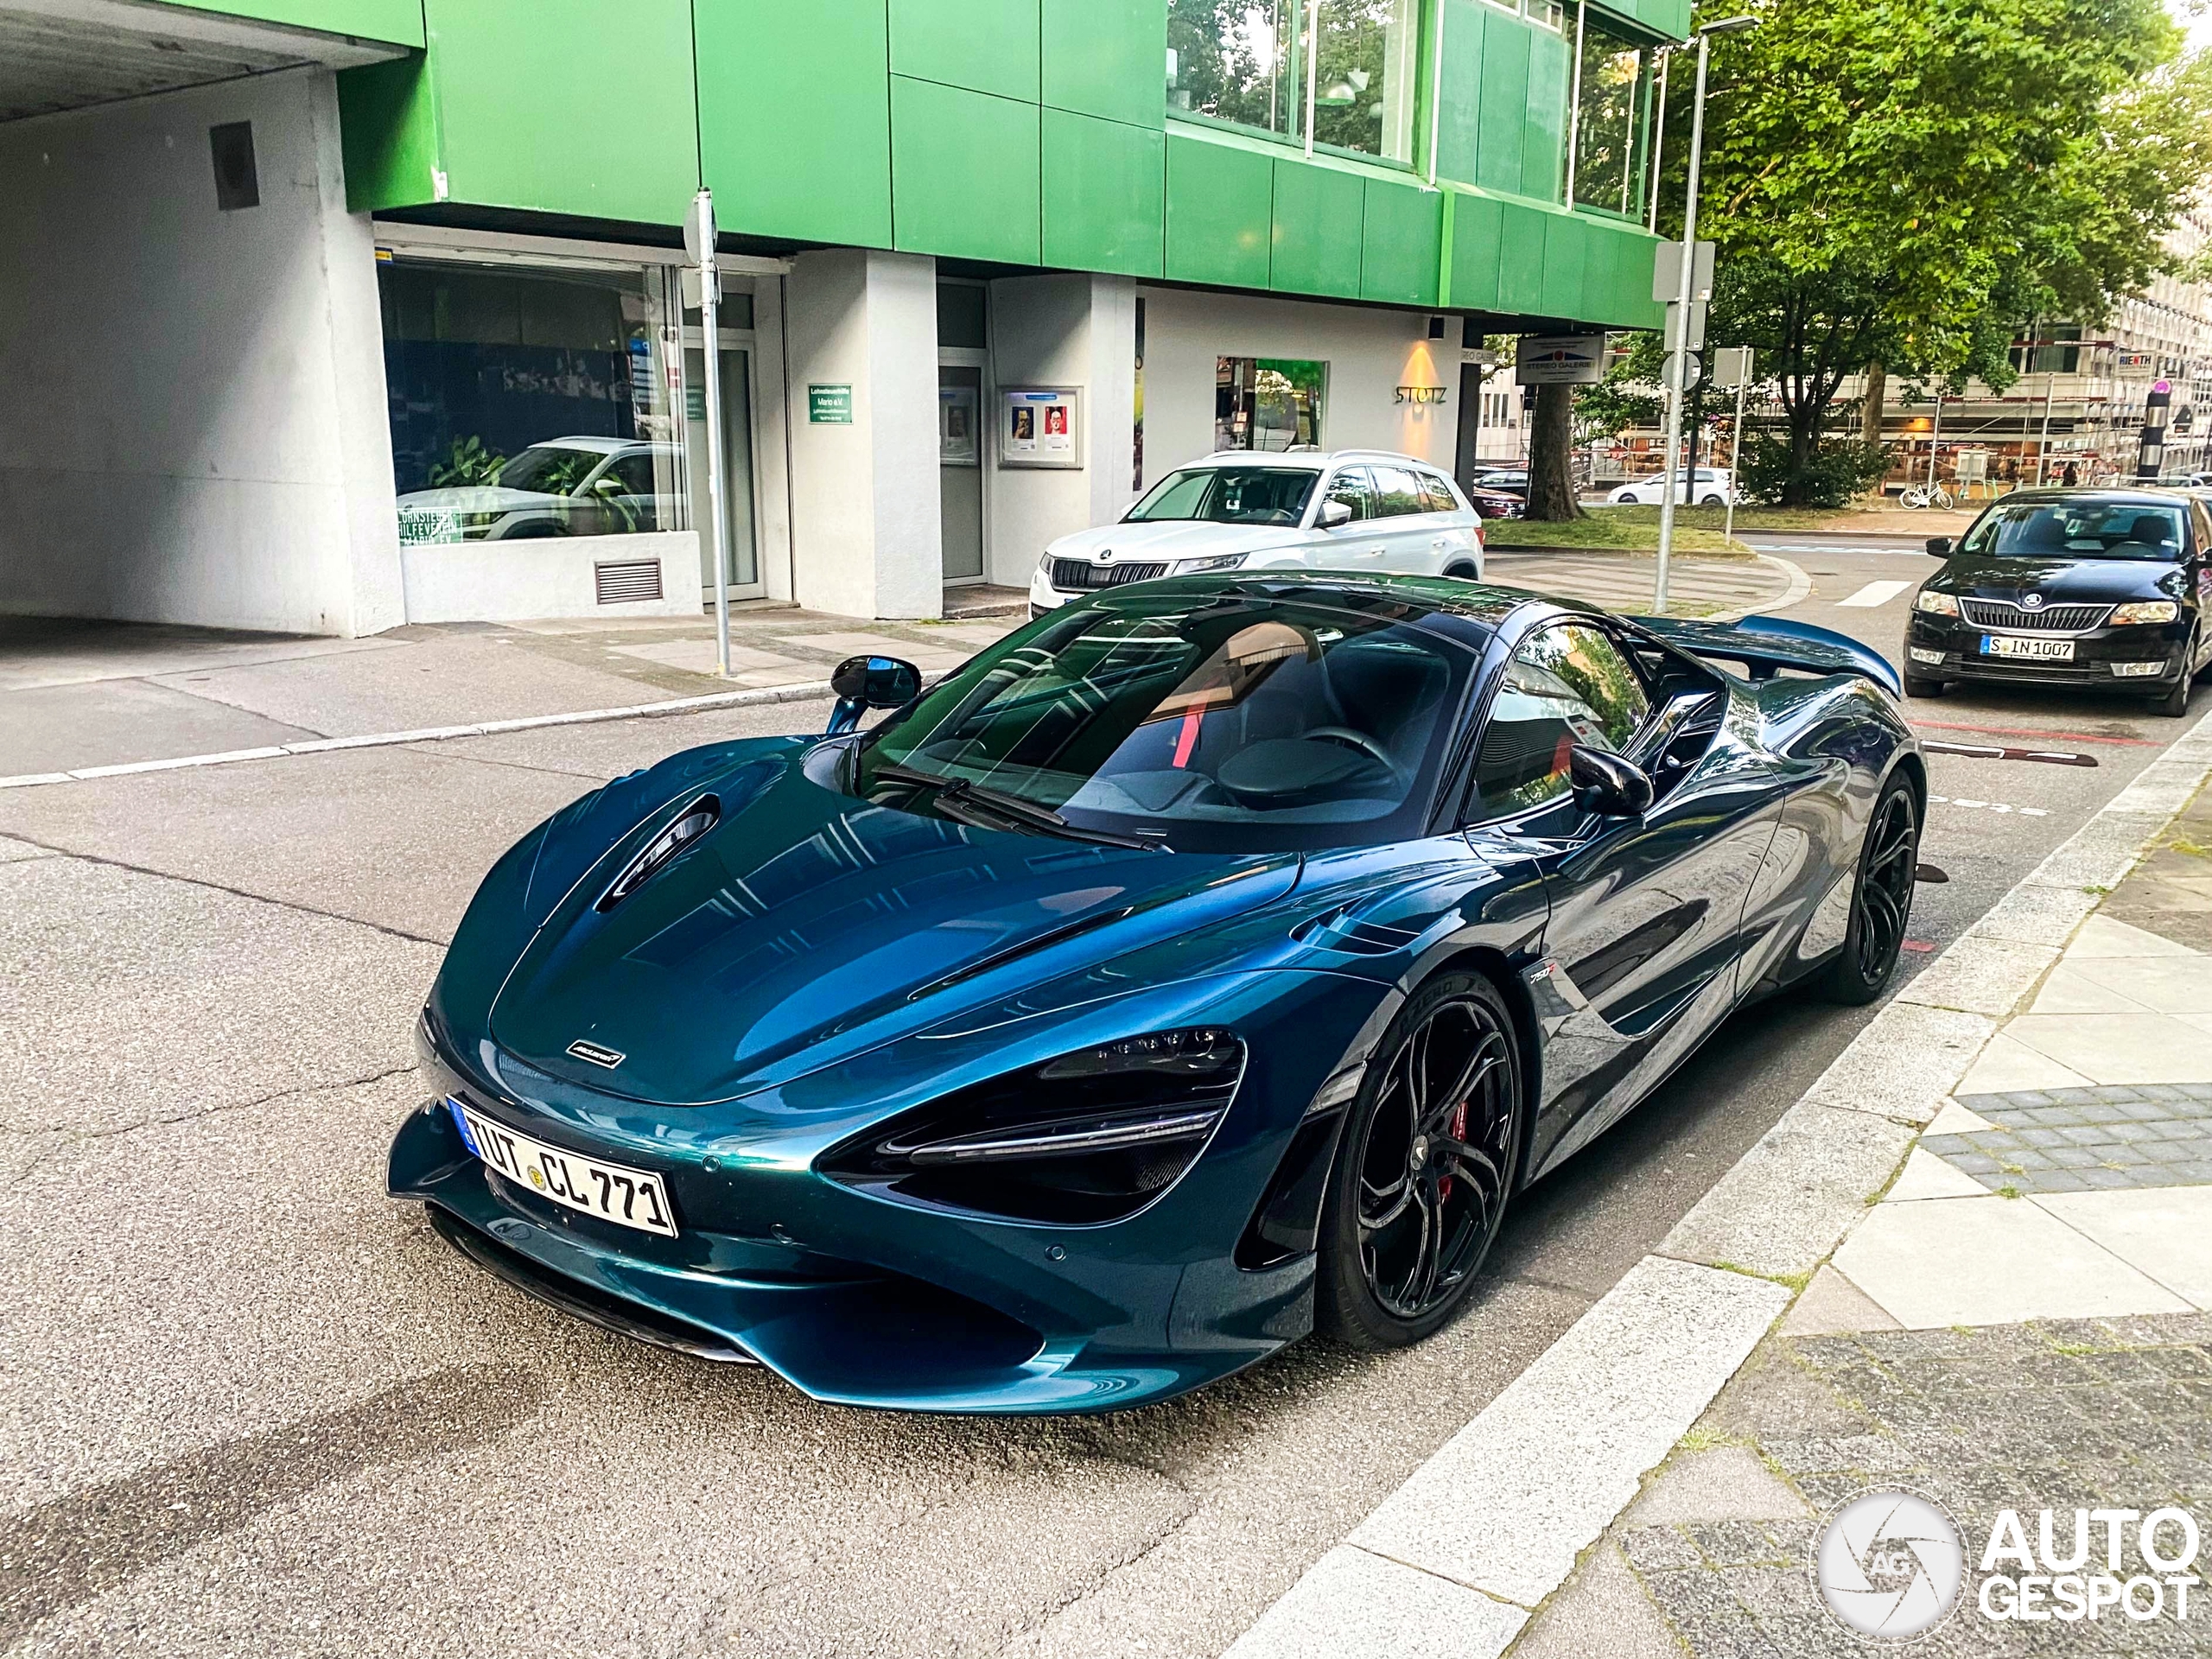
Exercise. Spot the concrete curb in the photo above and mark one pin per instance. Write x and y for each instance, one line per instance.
(803, 691)
(1494, 1521)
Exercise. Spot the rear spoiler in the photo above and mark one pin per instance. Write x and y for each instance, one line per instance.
(1765, 644)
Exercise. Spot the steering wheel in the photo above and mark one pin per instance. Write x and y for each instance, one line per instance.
(1352, 738)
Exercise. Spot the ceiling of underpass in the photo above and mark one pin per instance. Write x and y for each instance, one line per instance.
(66, 54)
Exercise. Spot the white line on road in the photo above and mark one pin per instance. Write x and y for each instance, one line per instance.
(1994, 807)
(1873, 593)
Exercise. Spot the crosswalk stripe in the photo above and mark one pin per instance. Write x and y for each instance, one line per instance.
(1872, 595)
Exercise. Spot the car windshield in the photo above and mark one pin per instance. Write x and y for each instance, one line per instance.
(549, 469)
(1229, 495)
(1215, 724)
(2076, 530)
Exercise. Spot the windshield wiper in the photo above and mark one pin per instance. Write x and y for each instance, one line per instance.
(958, 793)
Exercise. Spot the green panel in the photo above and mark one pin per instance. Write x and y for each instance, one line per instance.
(1105, 185)
(1566, 262)
(1399, 241)
(399, 21)
(388, 130)
(1544, 150)
(987, 46)
(1505, 112)
(1633, 306)
(1477, 223)
(1220, 196)
(1107, 57)
(964, 173)
(804, 152)
(1318, 217)
(523, 94)
(1521, 260)
(1459, 89)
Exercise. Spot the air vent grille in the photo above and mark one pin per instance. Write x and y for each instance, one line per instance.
(624, 581)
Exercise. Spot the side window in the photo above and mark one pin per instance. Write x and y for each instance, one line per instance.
(1397, 493)
(1435, 494)
(1567, 684)
(1354, 490)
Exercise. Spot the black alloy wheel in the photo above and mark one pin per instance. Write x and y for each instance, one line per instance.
(1424, 1167)
(1889, 860)
(2173, 702)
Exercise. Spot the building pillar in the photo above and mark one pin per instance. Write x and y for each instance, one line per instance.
(861, 337)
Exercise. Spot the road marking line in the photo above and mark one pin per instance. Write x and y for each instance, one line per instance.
(1993, 806)
(1872, 595)
(805, 691)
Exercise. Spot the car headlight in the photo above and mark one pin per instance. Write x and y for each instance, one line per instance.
(1936, 604)
(2146, 610)
(1217, 562)
(1087, 1136)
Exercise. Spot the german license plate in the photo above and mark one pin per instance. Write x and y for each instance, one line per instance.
(2042, 651)
(628, 1197)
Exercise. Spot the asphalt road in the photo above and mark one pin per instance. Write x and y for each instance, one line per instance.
(249, 1406)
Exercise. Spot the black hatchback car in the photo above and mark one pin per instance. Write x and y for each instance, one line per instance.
(2102, 589)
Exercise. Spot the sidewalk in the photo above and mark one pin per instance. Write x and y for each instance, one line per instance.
(76, 696)
(2023, 1321)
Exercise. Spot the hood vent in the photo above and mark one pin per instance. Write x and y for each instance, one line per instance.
(691, 823)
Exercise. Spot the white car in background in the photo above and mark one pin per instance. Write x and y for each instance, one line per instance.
(1352, 510)
(1712, 490)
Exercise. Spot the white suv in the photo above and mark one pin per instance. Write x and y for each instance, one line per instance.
(1712, 490)
(1355, 510)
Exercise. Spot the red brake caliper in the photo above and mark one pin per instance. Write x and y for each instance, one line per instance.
(1458, 1132)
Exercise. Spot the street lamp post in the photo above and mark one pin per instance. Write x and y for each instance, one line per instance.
(1680, 361)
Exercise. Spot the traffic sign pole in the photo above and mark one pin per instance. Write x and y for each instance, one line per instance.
(1684, 295)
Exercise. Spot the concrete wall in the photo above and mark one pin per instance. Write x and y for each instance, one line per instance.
(866, 539)
(1062, 331)
(1370, 353)
(513, 581)
(193, 428)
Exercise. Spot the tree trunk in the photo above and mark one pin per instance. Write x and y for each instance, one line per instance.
(1870, 407)
(1551, 468)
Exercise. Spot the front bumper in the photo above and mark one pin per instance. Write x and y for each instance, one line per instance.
(858, 1300)
(1949, 648)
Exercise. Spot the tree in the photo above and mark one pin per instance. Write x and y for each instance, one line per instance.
(1902, 182)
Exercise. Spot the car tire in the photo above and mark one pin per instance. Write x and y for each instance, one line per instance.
(1465, 572)
(1711, 501)
(1398, 1206)
(1915, 686)
(1881, 897)
(2173, 702)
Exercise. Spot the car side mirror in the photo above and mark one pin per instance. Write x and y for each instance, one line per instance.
(1607, 785)
(608, 487)
(1940, 546)
(866, 683)
(1334, 513)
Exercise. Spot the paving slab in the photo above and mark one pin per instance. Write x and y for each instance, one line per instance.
(704, 656)
(1355, 1606)
(2007, 1064)
(1926, 1176)
(2164, 1233)
(1832, 1303)
(58, 728)
(2071, 990)
(929, 658)
(1721, 1483)
(1602, 1613)
(1990, 1261)
(381, 835)
(2164, 984)
(1954, 1119)
(1903, 1062)
(37, 651)
(2117, 1047)
(1980, 976)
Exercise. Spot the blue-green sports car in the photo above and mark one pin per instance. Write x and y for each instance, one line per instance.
(1207, 962)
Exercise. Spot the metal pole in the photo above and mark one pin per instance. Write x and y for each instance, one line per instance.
(1574, 102)
(1736, 451)
(2043, 438)
(1935, 441)
(710, 354)
(1681, 357)
(1659, 137)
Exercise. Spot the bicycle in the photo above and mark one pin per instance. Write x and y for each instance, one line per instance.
(1917, 496)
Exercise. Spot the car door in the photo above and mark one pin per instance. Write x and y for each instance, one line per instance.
(1403, 517)
(1450, 525)
(1358, 543)
(1639, 954)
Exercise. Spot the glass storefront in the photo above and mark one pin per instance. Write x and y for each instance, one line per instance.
(1267, 402)
(1244, 61)
(527, 404)
(1611, 119)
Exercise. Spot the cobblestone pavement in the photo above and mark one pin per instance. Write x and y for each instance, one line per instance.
(2078, 1139)
(2060, 1415)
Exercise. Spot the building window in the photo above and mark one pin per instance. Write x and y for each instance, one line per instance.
(1238, 62)
(1266, 402)
(1610, 119)
(530, 404)
(1244, 61)
(1364, 79)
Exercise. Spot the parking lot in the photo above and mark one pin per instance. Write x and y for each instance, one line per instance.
(252, 1407)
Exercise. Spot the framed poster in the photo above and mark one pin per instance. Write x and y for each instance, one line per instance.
(957, 443)
(1040, 426)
